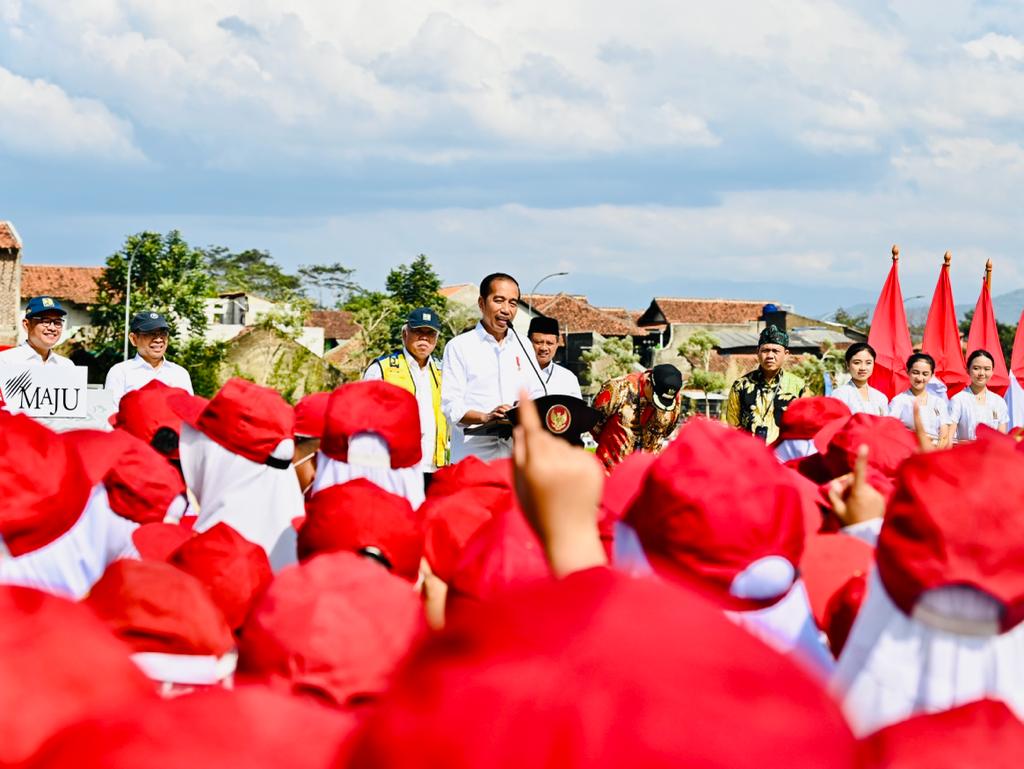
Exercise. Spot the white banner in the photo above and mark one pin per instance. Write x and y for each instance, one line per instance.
(45, 392)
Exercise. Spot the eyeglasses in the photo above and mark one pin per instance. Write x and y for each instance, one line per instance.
(52, 322)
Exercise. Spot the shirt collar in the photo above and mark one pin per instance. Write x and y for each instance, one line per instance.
(414, 366)
(485, 336)
(141, 362)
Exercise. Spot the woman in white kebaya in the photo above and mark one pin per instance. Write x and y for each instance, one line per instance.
(861, 397)
(934, 408)
(977, 405)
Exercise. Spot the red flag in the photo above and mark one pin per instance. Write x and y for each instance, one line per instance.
(985, 336)
(1017, 358)
(942, 336)
(890, 336)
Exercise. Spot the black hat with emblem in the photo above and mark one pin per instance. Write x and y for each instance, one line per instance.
(144, 322)
(666, 382)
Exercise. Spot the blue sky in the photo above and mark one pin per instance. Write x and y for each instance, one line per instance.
(739, 149)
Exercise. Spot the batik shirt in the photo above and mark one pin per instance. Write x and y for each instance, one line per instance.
(754, 403)
(630, 422)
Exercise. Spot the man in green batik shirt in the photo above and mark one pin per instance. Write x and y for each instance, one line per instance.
(757, 400)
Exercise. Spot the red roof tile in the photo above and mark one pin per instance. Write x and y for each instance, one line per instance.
(575, 314)
(703, 310)
(448, 291)
(9, 239)
(73, 284)
(337, 324)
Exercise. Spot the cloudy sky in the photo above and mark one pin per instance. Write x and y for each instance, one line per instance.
(769, 148)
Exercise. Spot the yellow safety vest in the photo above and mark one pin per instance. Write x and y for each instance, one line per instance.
(395, 368)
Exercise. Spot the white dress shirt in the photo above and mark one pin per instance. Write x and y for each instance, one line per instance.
(24, 354)
(137, 373)
(876, 404)
(560, 381)
(966, 413)
(479, 373)
(934, 413)
(421, 379)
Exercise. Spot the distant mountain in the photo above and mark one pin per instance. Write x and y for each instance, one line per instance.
(1008, 308)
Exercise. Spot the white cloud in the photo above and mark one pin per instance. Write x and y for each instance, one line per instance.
(41, 119)
(995, 46)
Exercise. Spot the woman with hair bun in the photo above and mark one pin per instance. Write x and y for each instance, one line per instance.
(934, 408)
(977, 405)
(861, 397)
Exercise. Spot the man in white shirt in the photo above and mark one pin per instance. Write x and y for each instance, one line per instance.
(483, 371)
(413, 369)
(148, 333)
(44, 325)
(558, 380)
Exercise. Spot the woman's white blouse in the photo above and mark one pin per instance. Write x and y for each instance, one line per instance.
(934, 413)
(876, 404)
(966, 412)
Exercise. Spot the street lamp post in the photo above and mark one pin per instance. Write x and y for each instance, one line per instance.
(128, 298)
(552, 275)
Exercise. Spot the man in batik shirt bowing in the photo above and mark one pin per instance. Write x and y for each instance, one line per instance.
(758, 400)
(638, 412)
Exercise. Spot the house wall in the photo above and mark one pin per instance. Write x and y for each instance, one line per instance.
(10, 291)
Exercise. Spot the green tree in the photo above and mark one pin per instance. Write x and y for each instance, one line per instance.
(859, 321)
(376, 318)
(414, 285)
(203, 361)
(813, 369)
(697, 349)
(252, 271)
(168, 276)
(1006, 333)
(613, 357)
(329, 285)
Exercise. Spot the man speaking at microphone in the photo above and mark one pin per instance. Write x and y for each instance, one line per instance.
(483, 371)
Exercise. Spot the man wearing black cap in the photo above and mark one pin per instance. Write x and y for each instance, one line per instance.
(639, 411)
(412, 368)
(758, 400)
(558, 380)
(148, 333)
(44, 325)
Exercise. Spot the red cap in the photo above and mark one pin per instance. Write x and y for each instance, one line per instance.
(829, 561)
(502, 554)
(58, 664)
(249, 727)
(310, 414)
(333, 627)
(450, 520)
(841, 611)
(156, 541)
(621, 487)
(804, 417)
(155, 607)
(984, 733)
(713, 503)
(471, 472)
(948, 523)
(233, 569)
(373, 407)
(43, 486)
(144, 411)
(359, 515)
(602, 671)
(243, 417)
(888, 441)
(140, 482)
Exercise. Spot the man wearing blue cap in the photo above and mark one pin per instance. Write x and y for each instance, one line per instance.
(412, 368)
(44, 325)
(148, 333)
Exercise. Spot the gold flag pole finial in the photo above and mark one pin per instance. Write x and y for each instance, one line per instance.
(895, 253)
(988, 273)
(947, 258)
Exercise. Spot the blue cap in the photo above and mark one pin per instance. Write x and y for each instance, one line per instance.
(39, 305)
(148, 321)
(424, 317)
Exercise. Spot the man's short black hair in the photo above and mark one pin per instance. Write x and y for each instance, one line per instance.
(487, 283)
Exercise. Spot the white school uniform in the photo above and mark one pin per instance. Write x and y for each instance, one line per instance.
(934, 412)
(876, 404)
(966, 412)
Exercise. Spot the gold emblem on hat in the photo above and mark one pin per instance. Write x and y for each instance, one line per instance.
(47, 302)
(558, 419)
